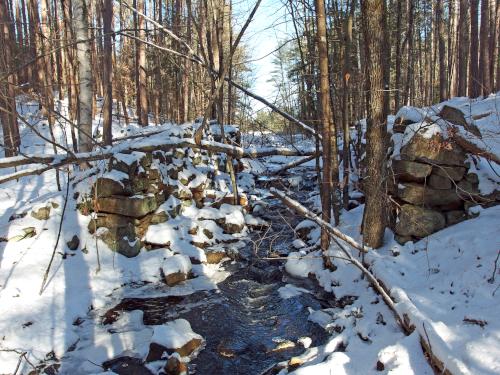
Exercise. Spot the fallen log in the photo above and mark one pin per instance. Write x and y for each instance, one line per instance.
(293, 164)
(475, 149)
(55, 161)
(296, 206)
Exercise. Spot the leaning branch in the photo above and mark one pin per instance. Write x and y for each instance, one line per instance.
(296, 206)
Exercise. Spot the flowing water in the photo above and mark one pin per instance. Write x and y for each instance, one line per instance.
(247, 326)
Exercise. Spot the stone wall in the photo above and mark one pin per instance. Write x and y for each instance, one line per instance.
(142, 189)
(434, 186)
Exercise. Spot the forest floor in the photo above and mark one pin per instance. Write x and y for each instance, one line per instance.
(261, 307)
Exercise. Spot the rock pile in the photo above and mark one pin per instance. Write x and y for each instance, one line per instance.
(140, 191)
(434, 186)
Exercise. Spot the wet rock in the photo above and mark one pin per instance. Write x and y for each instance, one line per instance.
(42, 213)
(176, 269)
(405, 170)
(73, 243)
(456, 117)
(175, 366)
(418, 221)
(421, 195)
(439, 182)
(174, 337)
(434, 149)
(135, 206)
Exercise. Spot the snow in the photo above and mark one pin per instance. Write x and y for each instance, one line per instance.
(175, 334)
(290, 291)
(176, 263)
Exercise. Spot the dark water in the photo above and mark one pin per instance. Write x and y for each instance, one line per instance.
(245, 320)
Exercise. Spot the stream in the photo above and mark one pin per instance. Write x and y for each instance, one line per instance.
(247, 325)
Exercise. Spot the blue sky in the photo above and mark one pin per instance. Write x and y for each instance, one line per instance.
(268, 27)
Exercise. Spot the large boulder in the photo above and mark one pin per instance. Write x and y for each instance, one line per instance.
(405, 170)
(112, 183)
(118, 241)
(421, 195)
(433, 149)
(453, 173)
(418, 222)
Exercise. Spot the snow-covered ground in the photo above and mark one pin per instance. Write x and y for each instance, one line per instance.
(447, 283)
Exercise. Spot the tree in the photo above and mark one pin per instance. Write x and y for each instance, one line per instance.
(328, 132)
(81, 27)
(474, 78)
(142, 89)
(107, 17)
(373, 20)
(463, 47)
(484, 57)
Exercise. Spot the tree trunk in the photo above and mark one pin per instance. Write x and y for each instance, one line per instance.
(399, 53)
(81, 28)
(441, 46)
(463, 47)
(326, 121)
(484, 57)
(474, 78)
(141, 66)
(107, 17)
(374, 220)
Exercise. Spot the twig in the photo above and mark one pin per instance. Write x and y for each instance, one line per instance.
(57, 240)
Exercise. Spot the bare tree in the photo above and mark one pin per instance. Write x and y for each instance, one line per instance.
(81, 28)
(107, 17)
(373, 19)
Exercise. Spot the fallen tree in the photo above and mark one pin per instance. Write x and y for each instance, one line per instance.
(160, 143)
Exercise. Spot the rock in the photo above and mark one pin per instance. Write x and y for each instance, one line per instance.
(231, 228)
(421, 195)
(405, 170)
(402, 239)
(127, 246)
(304, 228)
(109, 221)
(176, 269)
(456, 117)
(472, 178)
(214, 257)
(455, 217)
(434, 149)
(107, 186)
(173, 337)
(159, 217)
(73, 243)
(135, 206)
(42, 213)
(175, 366)
(439, 182)
(468, 190)
(455, 173)
(418, 221)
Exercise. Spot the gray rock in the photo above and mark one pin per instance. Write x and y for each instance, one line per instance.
(455, 217)
(439, 182)
(421, 195)
(135, 206)
(419, 222)
(456, 117)
(405, 170)
(455, 173)
(73, 243)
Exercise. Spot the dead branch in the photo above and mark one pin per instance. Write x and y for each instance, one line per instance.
(293, 164)
(297, 207)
